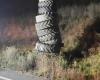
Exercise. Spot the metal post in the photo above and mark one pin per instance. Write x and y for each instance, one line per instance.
(49, 39)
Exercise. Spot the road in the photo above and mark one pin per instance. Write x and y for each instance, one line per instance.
(13, 75)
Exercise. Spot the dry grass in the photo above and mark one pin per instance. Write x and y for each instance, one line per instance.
(12, 57)
(75, 24)
(80, 69)
(79, 59)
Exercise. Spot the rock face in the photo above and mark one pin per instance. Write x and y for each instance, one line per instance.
(49, 39)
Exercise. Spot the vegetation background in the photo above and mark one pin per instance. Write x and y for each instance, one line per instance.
(79, 23)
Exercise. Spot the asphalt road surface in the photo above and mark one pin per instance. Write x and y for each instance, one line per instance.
(13, 75)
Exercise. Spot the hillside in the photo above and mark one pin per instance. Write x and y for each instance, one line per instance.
(79, 23)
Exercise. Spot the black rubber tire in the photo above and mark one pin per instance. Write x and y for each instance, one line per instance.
(47, 35)
(50, 37)
(46, 24)
(46, 17)
(47, 9)
(46, 31)
(51, 42)
(47, 48)
(46, 3)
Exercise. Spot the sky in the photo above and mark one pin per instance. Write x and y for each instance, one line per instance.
(10, 10)
(17, 7)
(20, 7)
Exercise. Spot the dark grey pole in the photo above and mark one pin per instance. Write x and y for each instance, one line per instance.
(49, 39)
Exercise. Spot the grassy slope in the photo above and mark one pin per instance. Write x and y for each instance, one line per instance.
(79, 59)
(80, 55)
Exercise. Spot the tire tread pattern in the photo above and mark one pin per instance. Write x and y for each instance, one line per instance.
(48, 31)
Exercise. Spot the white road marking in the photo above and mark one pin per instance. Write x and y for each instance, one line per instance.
(4, 78)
